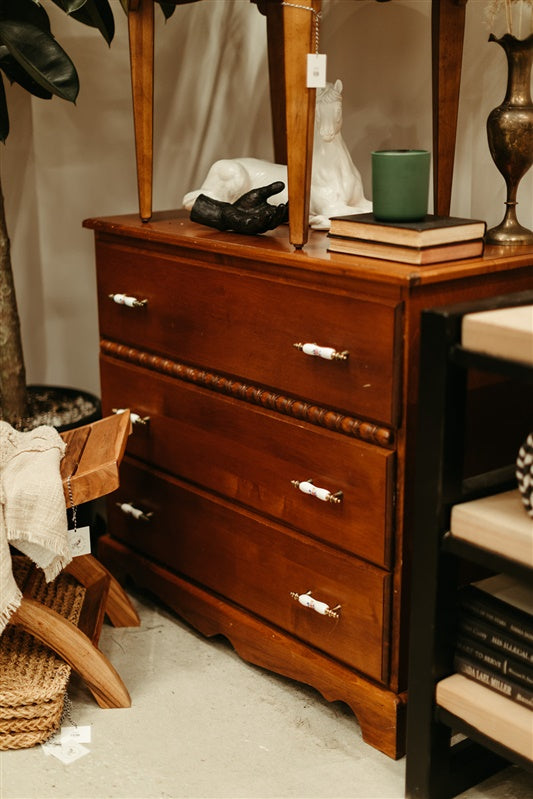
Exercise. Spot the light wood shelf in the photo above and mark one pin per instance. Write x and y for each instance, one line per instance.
(498, 523)
(504, 721)
(501, 333)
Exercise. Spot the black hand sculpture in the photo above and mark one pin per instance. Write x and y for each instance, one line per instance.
(250, 214)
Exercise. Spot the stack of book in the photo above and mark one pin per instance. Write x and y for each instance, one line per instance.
(432, 240)
(494, 644)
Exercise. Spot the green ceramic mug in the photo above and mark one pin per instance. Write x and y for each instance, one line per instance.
(400, 184)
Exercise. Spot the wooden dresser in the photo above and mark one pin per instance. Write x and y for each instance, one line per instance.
(259, 471)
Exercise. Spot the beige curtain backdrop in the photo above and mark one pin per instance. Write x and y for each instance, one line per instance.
(64, 163)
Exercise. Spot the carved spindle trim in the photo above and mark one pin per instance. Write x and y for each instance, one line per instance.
(255, 395)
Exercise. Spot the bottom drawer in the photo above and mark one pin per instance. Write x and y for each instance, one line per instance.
(258, 565)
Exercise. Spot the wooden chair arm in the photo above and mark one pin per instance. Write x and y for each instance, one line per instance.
(76, 649)
(92, 458)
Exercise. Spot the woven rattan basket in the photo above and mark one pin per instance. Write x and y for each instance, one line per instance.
(33, 679)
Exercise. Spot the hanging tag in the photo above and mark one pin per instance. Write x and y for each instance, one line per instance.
(79, 541)
(80, 735)
(66, 751)
(316, 70)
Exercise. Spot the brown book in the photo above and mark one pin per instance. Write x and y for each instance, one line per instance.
(418, 256)
(430, 231)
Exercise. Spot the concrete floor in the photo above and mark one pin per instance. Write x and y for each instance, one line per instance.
(206, 725)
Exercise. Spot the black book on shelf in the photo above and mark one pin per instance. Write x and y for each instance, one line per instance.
(490, 658)
(478, 629)
(491, 679)
(504, 602)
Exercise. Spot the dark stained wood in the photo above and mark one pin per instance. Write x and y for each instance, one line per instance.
(269, 317)
(204, 360)
(257, 564)
(380, 713)
(252, 455)
(256, 395)
(168, 229)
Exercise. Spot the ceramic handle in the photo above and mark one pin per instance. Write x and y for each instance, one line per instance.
(308, 487)
(131, 510)
(129, 302)
(135, 417)
(319, 607)
(328, 353)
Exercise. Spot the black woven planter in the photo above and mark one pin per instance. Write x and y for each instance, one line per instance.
(61, 407)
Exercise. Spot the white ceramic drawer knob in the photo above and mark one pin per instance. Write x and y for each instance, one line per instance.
(328, 353)
(130, 510)
(308, 487)
(322, 608)
(129, 302)
(136, 418)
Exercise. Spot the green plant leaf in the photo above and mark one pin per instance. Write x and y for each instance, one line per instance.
(167, 9)
(16, 74)
(25, 11)
(97, 14)
(41, 57)
(4, 116)
(69, 6)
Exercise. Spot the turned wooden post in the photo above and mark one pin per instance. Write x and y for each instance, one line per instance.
(298, 41)
(447, 30)
(141, 37)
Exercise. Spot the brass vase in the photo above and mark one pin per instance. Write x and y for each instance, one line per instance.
(510, 135)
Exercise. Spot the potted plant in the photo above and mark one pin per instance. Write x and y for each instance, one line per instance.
(31, 57)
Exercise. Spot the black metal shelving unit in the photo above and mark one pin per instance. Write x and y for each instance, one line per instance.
(438, 766)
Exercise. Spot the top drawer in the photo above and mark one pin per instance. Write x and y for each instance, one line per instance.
(246, 324)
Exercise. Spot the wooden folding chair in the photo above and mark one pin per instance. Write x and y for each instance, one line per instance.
(91, 462)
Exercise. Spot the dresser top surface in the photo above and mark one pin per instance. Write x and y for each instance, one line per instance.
(174, 228)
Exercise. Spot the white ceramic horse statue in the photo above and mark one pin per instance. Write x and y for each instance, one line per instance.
(336, 186)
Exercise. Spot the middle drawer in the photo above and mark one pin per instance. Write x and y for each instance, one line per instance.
(252, 456)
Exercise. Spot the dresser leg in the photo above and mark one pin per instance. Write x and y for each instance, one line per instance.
(380, 712)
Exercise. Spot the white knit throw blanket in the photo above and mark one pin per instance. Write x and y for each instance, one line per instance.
(32, 503)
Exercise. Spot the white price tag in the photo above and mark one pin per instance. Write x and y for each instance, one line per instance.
(66, 751)
(79, 541)
(316, 70)
(81, 734)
